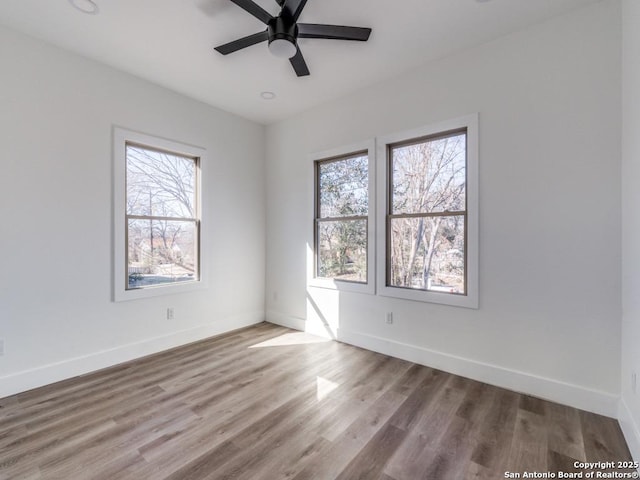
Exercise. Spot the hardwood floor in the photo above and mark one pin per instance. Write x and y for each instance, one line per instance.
(270, 403)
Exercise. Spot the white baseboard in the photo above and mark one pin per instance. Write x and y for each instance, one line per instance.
(565, 393)
(37, 377)
(572, 395)
(283, 320)
(629, 429)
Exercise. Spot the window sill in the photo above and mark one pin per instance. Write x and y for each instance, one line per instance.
(341, 286)
(470, 300)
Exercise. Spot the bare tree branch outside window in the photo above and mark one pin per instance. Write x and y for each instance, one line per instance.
(162, 217)
(427, 206)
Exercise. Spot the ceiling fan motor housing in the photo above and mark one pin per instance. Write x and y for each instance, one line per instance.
(281, 29)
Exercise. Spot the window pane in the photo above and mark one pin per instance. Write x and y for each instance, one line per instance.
(344, 187)
(429, 176)
(161, 252)
(342, 250)
(160, 184)
(427, 253)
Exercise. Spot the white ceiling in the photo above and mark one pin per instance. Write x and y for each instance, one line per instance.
(170, 43)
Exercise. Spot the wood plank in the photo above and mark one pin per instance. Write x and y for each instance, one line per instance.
(495, 432)
(416, 405)
(475, 471)
(371, 459)
(528, 452)
(603, 439)
(564, 431)
(558, 462)
(330, 462)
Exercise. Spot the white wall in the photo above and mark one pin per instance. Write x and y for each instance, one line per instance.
(57, 318)
(550, 256)
(630, 405)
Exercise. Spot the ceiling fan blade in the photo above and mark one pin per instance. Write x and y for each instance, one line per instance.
(299, 65)
(334, 32)
(244, 42)
(255, 10)
(294, 8)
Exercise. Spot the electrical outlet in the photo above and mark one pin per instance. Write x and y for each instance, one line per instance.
(389, 318)
(170, 313)
(634, 382)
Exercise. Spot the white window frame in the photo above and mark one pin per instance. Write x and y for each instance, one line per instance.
(312, 281)
(470, 298)
(122, 137)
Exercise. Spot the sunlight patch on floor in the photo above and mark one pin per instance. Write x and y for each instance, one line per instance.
(324, 387)
(295, 338)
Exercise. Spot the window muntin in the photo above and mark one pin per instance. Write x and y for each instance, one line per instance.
(162, 217)
(341, 220)
(426, 223)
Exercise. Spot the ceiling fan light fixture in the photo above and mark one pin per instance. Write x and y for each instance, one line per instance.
(282, 48)
(282, 37)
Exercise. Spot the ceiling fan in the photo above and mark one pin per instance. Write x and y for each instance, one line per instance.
(283, 31)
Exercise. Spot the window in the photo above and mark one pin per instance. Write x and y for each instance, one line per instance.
(429, 244)
(343, 232)
(341, 219)
(157, 216)
(427, 213)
